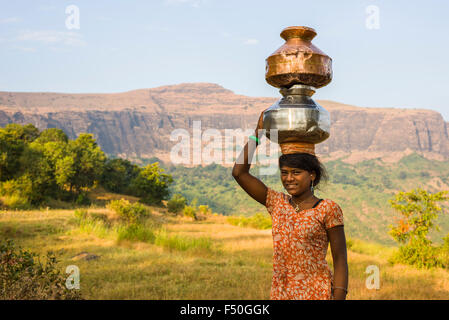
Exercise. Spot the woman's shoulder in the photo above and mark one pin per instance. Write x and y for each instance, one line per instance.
(329, 201)
(329, 205)
(331, 214)
(276, 195)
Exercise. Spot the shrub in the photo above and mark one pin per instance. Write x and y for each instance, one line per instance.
(24, 276)
(418, 209)
(237, 221)
(17, 193)
(16, 201)
(129, 213)
(419, 255)
(176, 204)
(82, 199)
(189, 211)
(204, 209)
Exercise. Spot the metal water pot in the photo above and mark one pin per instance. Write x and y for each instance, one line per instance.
(297, 117)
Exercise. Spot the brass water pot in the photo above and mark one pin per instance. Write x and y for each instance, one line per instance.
(298, 61)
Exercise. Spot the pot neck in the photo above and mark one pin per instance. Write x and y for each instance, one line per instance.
(298, 89)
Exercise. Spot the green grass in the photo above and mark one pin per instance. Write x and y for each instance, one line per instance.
(182, 243)
(135, 232)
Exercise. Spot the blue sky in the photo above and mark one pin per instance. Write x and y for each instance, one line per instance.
(126, 45)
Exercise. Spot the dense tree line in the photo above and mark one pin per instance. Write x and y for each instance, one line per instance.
(36, 166)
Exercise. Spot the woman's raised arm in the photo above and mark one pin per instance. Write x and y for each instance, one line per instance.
(252, 186)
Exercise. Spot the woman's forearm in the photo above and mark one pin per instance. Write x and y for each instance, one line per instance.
(243, 162)
(340, 279)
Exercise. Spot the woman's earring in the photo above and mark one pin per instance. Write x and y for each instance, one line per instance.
(311, 187)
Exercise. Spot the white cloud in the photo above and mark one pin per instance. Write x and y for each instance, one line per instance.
(25, 49)
(10, 20)
(251, 41)
(67, 38)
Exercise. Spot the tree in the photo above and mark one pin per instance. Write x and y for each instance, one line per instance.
(27, 167)
(418, 210)
(13, 138)
(11, 149)
(26, 133)
(37, 168)
(88, 162)
(52, 135)
(57, 159)
(151, 184)
(118, 174)
(76, 164)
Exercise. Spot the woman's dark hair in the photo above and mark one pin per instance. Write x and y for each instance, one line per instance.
(305, 161)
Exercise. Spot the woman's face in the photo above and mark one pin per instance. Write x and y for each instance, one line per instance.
(296, 181)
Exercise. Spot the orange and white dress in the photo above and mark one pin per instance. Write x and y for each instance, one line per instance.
(300, 242)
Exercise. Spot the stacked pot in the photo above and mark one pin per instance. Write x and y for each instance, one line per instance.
(298, 68)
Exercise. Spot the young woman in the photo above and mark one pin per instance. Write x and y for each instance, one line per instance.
(302, 228)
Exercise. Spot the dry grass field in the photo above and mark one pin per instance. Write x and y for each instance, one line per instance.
(234, 263)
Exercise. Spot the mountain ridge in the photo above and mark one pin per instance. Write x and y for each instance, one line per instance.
(137, 124)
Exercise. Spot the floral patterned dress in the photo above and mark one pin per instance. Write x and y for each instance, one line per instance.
(300, 269)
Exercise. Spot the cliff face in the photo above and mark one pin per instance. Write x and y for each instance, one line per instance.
(139, 123)
(386, 130)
